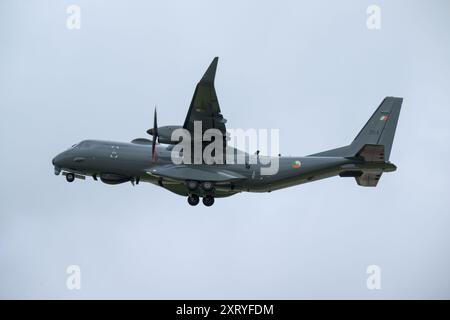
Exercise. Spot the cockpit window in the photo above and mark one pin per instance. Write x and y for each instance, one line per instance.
(74, 145)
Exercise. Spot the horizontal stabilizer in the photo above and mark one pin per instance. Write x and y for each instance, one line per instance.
(368, 172)
(368, 179)
(372, 153)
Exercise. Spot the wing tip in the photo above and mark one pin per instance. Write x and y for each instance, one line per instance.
(210, 73)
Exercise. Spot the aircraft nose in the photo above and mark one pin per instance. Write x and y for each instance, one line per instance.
(57, 161)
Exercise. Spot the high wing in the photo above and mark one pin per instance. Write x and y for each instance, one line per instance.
(204, 105)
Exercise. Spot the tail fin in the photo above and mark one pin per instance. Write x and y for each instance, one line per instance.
(379, 130)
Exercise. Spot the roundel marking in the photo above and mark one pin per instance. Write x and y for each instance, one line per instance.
(296, 164)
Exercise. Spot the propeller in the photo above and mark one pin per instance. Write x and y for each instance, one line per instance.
(155, 135)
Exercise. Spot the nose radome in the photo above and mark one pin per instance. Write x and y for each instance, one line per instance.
(56, 161)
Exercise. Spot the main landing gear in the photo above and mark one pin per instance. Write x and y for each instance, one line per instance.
(208, 201)
(194, 187)
(194, 200)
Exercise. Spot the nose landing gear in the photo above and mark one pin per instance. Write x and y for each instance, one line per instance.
(70, 177)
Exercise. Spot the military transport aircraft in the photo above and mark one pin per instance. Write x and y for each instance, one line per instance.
(144, 160)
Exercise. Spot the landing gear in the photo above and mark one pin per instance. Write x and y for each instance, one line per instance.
(208, 201)
(207, 186)
(70, 177)
(193, 200)
(192, 185)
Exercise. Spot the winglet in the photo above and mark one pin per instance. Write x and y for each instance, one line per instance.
(211, 71)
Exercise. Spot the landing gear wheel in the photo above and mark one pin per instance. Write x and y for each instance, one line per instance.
(70, 177)
(192, 185)
(207, 186)
(193, 200)
(208, 201)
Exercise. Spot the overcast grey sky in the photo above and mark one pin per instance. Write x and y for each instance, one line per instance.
(312, 69)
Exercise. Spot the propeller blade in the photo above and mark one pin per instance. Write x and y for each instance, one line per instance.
(155, 135)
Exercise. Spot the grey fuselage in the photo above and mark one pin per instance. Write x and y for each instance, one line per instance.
(124, 162)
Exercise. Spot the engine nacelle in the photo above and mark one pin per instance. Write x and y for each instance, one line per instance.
(165, 134)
